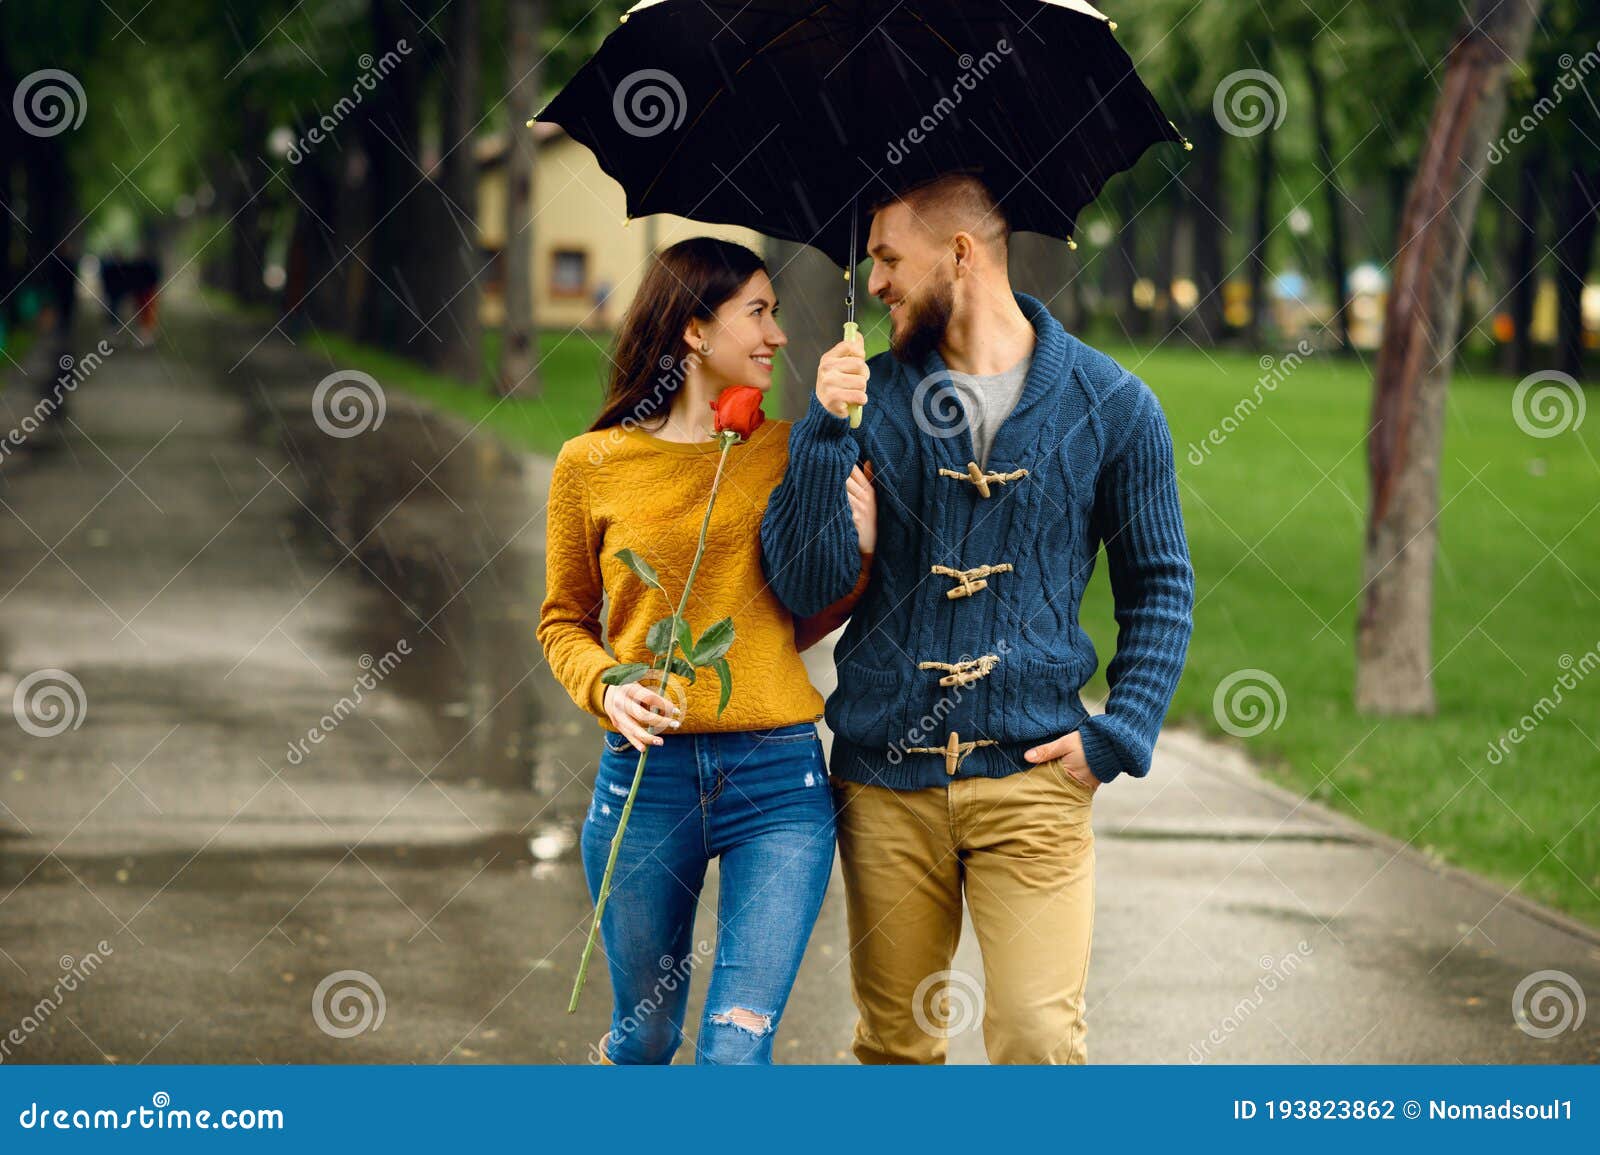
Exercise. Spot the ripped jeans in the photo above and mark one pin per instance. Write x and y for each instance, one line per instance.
(759, 801)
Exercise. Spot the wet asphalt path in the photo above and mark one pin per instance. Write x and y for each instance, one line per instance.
(217, 574)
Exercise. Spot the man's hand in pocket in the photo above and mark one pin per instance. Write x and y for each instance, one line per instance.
(1069, 748)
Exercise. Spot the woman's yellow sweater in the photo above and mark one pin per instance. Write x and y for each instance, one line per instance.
(617, 489)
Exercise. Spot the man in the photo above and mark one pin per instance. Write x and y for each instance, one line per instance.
(964, 763)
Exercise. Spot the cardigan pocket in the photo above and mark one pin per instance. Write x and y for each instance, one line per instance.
(863, 707)
(1049, 697)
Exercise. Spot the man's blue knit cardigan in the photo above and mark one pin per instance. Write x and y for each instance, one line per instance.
(940, 645)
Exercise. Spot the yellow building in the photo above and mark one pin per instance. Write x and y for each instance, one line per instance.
(586, 264)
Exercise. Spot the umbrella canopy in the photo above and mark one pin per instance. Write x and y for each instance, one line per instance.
(792, 117)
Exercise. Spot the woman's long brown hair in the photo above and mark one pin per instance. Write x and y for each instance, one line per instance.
(690, 280)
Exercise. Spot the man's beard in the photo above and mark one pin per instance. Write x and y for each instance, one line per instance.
(926, 322)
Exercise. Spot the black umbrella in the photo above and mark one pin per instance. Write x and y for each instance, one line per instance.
(792, 117)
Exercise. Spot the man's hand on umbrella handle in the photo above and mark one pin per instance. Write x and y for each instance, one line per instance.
(842, 378)
(852, 336)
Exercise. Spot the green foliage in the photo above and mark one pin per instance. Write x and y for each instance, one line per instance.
(647, 574)
(672, 633)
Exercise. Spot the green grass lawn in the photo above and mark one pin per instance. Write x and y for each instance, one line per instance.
(1275, 518)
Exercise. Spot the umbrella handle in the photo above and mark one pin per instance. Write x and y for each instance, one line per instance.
(851, 332)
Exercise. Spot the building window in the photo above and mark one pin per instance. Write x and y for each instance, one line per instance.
(569, 273)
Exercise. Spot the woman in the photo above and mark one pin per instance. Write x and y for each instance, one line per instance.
(749, 787)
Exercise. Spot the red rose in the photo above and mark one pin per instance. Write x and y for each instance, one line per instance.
(738, 407)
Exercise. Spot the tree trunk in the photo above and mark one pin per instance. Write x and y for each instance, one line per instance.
(1135, 322)
(459, 349)
(1575, 247)
(1338, 269)
(311, 244)
(519, 356)
(241, 204)
(9, 272)
(1261, 231)
(1210, 227)
(1394, 655)
(1044, 267)
(812, 290)
(1524, 270)
(390, 255)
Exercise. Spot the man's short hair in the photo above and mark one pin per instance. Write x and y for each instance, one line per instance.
(956, 202)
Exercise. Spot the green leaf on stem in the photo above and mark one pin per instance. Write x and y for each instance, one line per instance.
(659, 639)
(683, 669)
(624, 674)
(638, 565)
(713, 644)
(725, 676)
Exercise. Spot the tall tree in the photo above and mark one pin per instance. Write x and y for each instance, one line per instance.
(459, 349)
(1394, 673)
(519, 368)
(812, 290)
(1574, 253)
(1333, 193)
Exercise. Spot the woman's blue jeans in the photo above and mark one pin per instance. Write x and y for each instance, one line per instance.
(757, 799)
